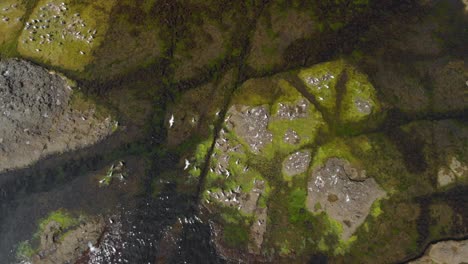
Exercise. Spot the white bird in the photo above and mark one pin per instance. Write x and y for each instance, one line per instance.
(91, 247)
(171, 121)
(187, 164)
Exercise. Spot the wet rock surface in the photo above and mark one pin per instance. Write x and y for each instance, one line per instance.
(75, 242)
(297, 163)
(332, 190)
(36, 117)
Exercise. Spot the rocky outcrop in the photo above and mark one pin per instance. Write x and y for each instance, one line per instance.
(445, 252)
(332, 189)
(449, 174)
(56, 246)
(38, 115)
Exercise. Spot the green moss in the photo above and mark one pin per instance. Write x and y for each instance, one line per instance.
(285, 249)
(321, 81)
(296, 206)
(335, 148)
(235, 236)
(376, 209)
(358, 88)
(24, 251)
(64, 52)
(328, 74)
(84, 103)
(9, 30)
(63, 218)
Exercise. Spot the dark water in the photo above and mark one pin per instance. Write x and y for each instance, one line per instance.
(144, 228)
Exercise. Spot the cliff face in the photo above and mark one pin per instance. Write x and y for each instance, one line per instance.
(289, 131)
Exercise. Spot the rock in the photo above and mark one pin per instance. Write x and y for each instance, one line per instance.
(258, 229)
(293, 111)
(50, 234)
(343, 199)
(296, 163)
(38, 115)
(250, 124)
(445, 252)
(329, 81)
(455, 170)
(71, 245)
(291, 137)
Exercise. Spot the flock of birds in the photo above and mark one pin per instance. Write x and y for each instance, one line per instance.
(54, 24)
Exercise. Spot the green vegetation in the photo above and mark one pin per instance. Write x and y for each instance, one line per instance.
(297, 205)
(65, 220)
(67, 50)
(10, 29)
(24, 251)
(85, 103)
(335, 148)
(235, 236)
(321, 81)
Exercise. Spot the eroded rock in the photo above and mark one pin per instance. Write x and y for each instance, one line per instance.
(37, 117)
(332, 190)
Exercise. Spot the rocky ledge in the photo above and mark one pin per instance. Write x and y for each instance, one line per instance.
(42, 113)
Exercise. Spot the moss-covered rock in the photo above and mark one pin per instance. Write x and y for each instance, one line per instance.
(12, 16)
(346, 94)
(61, 237)
(65, 33)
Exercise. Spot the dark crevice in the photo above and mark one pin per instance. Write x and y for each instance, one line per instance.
(300, 86)
(340, 90)
(457, 199)
(410, 147)
(239, 79)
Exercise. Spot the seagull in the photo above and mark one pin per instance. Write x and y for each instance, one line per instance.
(187, 164)
(171, 121)
(91, 247)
